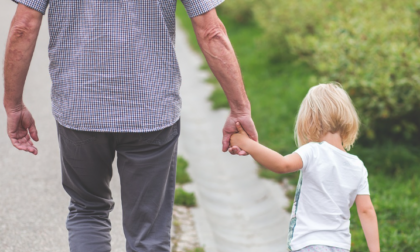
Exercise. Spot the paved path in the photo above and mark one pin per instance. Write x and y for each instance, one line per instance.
(238, 211)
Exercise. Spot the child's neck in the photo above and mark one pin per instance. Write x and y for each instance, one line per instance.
(333, 139)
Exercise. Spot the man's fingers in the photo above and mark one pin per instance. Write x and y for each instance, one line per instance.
(33, 132)
(225, 141)
(25, 144)
(249, 128)
(242, 153)
(234, 150)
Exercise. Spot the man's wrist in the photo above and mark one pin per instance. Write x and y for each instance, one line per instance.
(240, 111)
(240, 106)
(13, 106)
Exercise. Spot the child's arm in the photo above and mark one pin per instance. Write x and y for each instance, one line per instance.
(367, 216)
(265, 156)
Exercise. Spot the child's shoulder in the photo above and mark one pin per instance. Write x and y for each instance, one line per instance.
(327, 150)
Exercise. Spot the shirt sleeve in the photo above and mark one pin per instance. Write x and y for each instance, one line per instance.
(197, 7)
(306, 152)
(38, 5)
(364, 184)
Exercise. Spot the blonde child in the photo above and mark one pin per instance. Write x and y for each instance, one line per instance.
(331, 179)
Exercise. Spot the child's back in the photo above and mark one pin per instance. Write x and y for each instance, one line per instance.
(329, 182)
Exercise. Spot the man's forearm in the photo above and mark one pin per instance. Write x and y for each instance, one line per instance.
(218, 51)
(19, 50)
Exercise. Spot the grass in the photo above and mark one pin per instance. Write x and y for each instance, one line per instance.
(275, 88)
(182, 176)
(199, 249)
(183, 198)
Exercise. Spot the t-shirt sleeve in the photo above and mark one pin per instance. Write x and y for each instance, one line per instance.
(364, 184)
(306, 152)
(197, 7)
(38, 5)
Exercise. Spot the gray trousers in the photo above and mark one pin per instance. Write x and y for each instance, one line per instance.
(147, 168)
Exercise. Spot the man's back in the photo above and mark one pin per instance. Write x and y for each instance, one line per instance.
(113, 65)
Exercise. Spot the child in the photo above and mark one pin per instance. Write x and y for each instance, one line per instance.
(330, 179)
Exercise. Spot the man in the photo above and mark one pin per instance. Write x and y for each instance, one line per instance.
(115, 89)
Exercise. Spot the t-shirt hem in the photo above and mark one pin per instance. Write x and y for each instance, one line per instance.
(116, 130)
(320, 242)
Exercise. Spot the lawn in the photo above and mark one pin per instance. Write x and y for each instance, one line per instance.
(275, 87)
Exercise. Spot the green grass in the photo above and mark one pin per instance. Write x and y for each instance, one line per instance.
(183, 198)
(275, 87)
(199, 249)
(182, 176)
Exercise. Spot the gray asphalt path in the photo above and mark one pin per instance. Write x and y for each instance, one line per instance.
(33, 206)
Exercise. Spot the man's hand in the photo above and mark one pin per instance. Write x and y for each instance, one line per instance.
(240, 139)
(21, 128)
(230, 128)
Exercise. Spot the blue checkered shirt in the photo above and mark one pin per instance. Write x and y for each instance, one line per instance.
(113, 64)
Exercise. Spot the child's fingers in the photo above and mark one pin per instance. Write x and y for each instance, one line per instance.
(239, 127)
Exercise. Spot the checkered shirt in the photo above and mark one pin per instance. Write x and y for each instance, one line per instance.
(113, 64)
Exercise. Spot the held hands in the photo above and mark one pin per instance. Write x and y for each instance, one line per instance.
(21, 128)
(230, 128)
(241, 138)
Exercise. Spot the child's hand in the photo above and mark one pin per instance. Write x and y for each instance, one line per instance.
(241, 138)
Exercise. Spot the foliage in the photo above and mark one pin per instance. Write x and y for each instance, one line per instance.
(182, 176)
(183, 198)
(241, 13)
(199, 249)
(371, 47)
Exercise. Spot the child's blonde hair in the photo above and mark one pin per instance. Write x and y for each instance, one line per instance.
(326, 108)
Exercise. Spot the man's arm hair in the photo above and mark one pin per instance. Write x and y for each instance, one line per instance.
(213, 40)
(214, 43)
(19, 50)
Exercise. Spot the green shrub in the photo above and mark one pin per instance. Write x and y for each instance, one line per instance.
(183, 198)
(239, 11)
(182, 176)
(371, 47)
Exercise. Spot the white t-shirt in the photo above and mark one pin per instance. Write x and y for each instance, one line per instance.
(328, 185)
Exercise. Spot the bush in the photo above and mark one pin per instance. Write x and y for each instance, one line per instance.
(371, 47)
(240, 11)
(183, 198)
